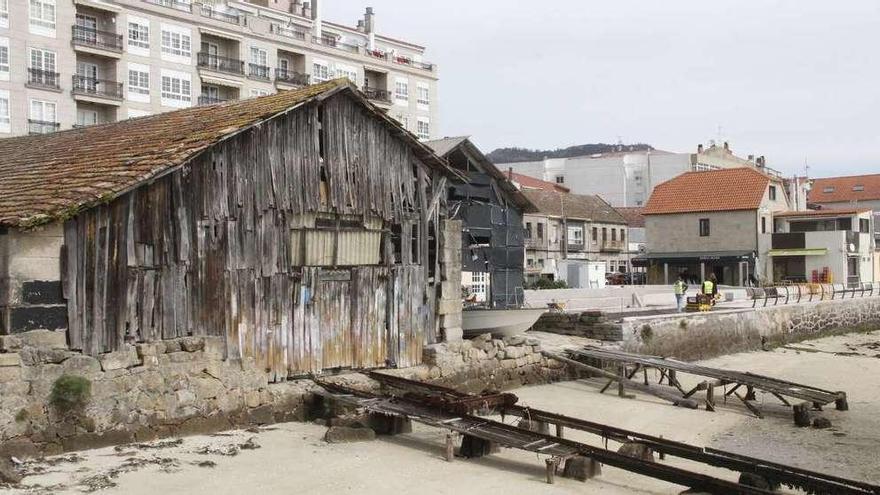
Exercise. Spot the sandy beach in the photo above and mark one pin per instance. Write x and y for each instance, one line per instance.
(293, 457)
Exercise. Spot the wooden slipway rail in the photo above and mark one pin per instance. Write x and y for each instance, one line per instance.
(809, 481)
(520, 438)
(629, 364)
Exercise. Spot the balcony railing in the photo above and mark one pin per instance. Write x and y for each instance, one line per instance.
(42, 126)
(403, 60)
(210, 100)
(220, 64)
(378, 94)
(291, 77)
(535, 243)
(287, 32)
(259, 71)
(611, 245)
(173, 4)
(575, 246)
(97, 87)
(83, 36)
(376, 54)
(220, 15)
(43, 78)
(334, 43)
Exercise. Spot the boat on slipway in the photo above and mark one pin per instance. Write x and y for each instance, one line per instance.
(499, 322)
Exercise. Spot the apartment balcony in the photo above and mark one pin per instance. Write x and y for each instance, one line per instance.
(575, 246)
(292, 78)
(611, 246)
(378, 95)
(230, 16)
(287, 32)
(97, 90)
(535, 243)
(210, 100)
(403, 60)
(97, 42)
(220, 64)
(257, 71)
(182, 5)
(376, 54)
(42, 79)
(42, 127)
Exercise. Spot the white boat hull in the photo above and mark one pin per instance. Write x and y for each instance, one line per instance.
(499, 322)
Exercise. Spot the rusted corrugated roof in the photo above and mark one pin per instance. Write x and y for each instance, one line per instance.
(52, 176)
(573, 206)
(727, 189)
(845, 189)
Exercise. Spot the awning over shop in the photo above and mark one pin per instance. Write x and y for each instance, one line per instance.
(693, 257)
(799, 252)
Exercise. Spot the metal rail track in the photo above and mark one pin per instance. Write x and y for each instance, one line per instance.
(809, 481)
(520, 438)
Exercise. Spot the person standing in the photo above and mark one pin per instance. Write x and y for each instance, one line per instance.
(680, 288)
(710, 287)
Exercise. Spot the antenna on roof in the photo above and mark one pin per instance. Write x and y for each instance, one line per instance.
(806, 168)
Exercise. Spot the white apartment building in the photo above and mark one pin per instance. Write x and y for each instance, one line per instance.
(67, 63)
(628, 177)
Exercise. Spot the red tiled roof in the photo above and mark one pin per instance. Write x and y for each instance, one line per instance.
(52, 176)
(633, 216)
(714, 190)
(845, 189)
(528, 182)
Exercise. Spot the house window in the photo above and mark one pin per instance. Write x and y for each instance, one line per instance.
(4, 59)
(283, 65)
(541, 231)
(43, 60)
(576, 236)
(255, 93)
(763, 225)
(560, 179)
(401, 91)
(864, 225)
(604, 234)
(4, 13)
(43, 111)
(404, 121)
(858, 188)
(423, 95)
(259, 56)
(176, 42)
(704, 227)
(479, 286)
(86, 117)
(772, 193)
(320, 72)
(423, 131)
(348, 72)
(5, 120)
(829, 189)
(138, 81)
(139, 35)
(622, 235)
(528, 230)
(176, 89)
(595, 235)
(42, 16)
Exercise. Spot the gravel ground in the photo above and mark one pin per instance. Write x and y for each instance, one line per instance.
(293, 458)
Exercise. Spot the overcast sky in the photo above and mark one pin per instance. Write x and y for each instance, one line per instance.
(792, 80)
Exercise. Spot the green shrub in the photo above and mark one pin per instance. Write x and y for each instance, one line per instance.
(647, 333)
(70, 393)
(546, 283)
(21, 415)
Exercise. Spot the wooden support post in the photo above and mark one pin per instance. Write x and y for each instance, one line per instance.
(552, 464)
(662, 455)
(621, 373)
(840, 403)
(450, 447)
(801, 414)
(710, 397)
(750, 406)
(560, 431)
(782, 399)
(645, 372)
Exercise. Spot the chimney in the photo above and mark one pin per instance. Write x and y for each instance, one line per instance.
(370, 27)
(360, 26)
(700, 148)
(510, 173)
(296, 7)
(751, 158)
(760, 161)
(316, 18)
(726, 146)
(307, 10)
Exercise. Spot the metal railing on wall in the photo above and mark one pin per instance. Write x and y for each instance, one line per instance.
(796, 293)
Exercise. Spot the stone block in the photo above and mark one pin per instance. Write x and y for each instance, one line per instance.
(151, 349)
(262, 415)
(53, 339)
(201, 425)
(449, 306)
(118, 360)
(8, 359)
(514, 340)
(346, 434)
(637, 450)
(581, 468)
(81, 364)
(10, 343)
(87, 441)
(8, 474)
(453, 334)
(215, 347)
(508, 364)
(192, 344)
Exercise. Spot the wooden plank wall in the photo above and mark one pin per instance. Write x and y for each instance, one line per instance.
(207, 249)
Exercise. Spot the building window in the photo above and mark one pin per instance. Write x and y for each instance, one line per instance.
(540, 231)
(176, 89)
(4, 13)
(704, 227)
(763, 225)
(5, 120)
(401, 91)
(4, 59)
(595, 235)
(42, 16)
(86, 117)
(43, 111)
(622, 235)
(479, 286)
(176, 42)
(284, 65)
(858, 188)
(259, 56)
(576, 236)
(829, 189)
(138, 34)
(320, 72)
(528, 230)
(404, 121)
(348, 72)
(423, 95)
(560, 179)
(139, 83)
(613, 235)
(424, 129)
(864, 226)
(255, 93)
(772, 193)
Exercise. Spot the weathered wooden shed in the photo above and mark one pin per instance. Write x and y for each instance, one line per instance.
(301, 226)
(491, 210)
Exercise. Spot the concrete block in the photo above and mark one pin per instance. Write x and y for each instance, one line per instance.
(345, 434)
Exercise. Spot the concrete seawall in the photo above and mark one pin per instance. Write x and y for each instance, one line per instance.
(694, 336)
